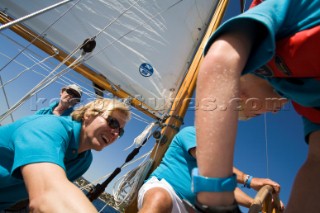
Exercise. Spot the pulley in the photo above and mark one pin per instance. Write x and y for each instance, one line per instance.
(88, 45)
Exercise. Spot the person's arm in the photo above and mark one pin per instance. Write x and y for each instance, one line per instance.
(242, 198)
(216, 118)
(50, 191)
(256, 183)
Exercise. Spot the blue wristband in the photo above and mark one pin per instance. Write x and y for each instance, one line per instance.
(249, 182)
(207, 184)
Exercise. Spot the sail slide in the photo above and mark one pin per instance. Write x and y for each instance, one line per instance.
(143, 46)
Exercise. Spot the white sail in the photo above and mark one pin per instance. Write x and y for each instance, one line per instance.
(144, 46)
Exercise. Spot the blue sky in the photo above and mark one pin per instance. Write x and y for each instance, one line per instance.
(267, 146)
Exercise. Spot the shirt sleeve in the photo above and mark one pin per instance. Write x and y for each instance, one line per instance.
(270, 15)
(43, 139)
(187, 138)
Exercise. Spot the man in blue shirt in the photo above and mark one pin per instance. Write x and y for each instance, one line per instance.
(42, 155)
(170, 183)
(69, 97)
(280, 42)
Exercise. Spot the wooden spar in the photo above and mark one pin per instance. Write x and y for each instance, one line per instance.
(263, 201)
(101, 81)
(184, 95)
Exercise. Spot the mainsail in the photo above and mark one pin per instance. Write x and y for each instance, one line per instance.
(144, 46)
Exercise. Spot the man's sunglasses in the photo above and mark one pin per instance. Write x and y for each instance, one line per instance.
(73, 93)
(114, 124)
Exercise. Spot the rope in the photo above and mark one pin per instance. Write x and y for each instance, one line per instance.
(88, 186)
(130, 183)
(266, 139)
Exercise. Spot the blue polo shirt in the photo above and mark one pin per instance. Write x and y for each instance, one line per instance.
(49, 110)
(35, 139)
(177, 164)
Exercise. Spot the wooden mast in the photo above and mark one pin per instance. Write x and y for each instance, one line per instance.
(183, 97)
(101, 81)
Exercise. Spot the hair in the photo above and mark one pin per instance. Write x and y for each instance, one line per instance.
(101, 106)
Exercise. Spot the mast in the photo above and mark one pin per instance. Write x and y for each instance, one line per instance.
(183, 97)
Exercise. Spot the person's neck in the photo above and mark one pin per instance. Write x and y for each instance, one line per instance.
(82, 144)
(60, 108)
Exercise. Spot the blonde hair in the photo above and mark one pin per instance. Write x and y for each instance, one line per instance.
(101, 106)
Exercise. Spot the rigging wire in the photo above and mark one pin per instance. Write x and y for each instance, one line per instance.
(39, 35)
(266, 140)
(45, 82)
(9, 111)
(6, 98)
(23, 71)
(54, 49)
(32, 15)
(63, 78)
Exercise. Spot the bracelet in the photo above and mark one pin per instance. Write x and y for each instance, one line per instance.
(247, 181)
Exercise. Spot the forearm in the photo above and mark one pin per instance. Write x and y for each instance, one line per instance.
(241, 176)
(242, 198)
(218, 85)
(49, 190)
(66, 198)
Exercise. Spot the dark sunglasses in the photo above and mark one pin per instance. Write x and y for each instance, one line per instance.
(73, 93)
(114, 124)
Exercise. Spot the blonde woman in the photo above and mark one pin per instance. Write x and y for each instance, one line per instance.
(42, 154)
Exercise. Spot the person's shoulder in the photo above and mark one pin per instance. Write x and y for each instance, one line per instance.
(47, 110)
(47, 121)
(187, 130)
(186, 134)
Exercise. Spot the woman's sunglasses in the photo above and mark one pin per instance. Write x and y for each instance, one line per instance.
(114, 124)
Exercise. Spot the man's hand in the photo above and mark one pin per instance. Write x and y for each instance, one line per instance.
(258, 183)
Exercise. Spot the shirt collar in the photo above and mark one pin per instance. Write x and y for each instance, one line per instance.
(72, 150)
